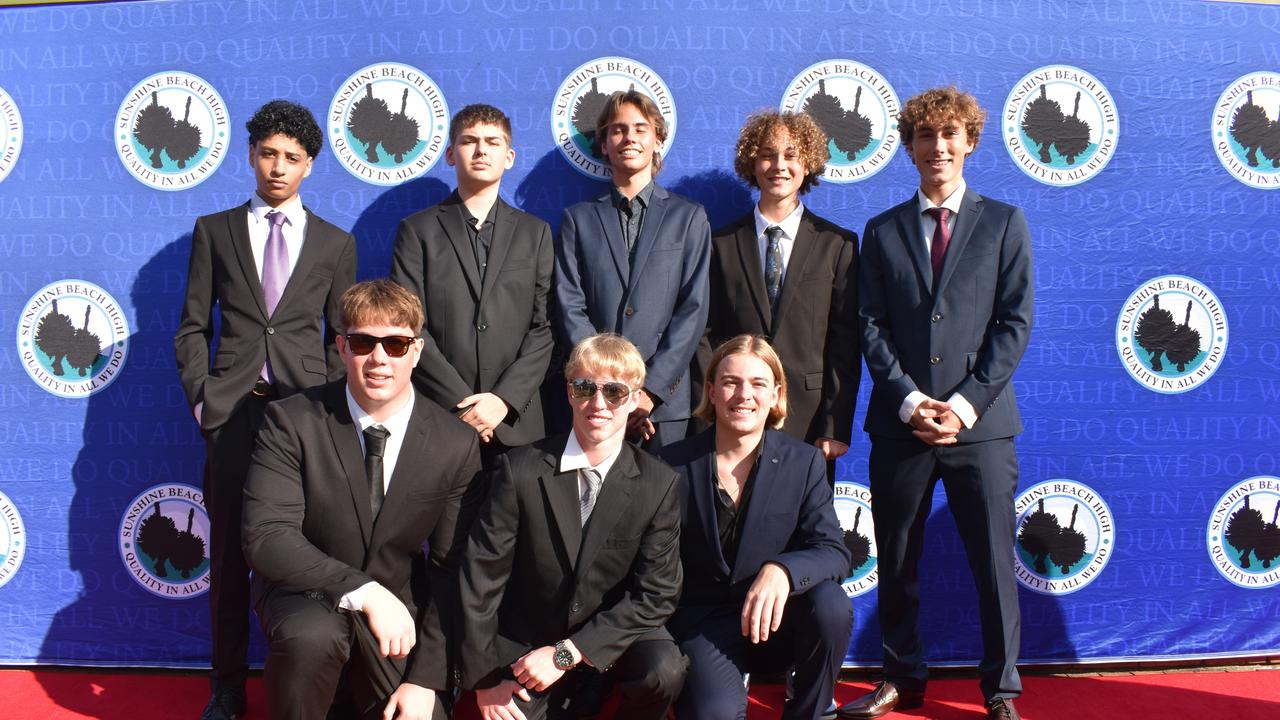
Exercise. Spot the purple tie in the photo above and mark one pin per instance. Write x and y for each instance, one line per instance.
(275, 272)
(941, 236)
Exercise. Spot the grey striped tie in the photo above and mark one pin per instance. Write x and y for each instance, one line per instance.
(591, 494)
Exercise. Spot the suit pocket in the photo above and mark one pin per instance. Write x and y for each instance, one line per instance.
(617, 543)
(970, 360)
(813, 381)
(224, 360)
(313, 365)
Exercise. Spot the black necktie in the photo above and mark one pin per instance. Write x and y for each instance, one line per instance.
(773, 263)
(375, 443)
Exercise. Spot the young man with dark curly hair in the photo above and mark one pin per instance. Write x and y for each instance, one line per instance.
(785, 273)
(275, 272)
(945, 298)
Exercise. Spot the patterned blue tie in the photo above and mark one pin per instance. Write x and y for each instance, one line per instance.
(773, 264)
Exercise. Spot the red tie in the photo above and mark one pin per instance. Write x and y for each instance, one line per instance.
(941, 236)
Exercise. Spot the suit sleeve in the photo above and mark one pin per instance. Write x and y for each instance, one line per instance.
(195, 328)
(438, 377)
(878, 347)
(1010, 325)
(524, 377)
(688, 323)
(842, 367)
(274, 508)
(656, 578)
(816, 550)
(486, 568)
(428, 665)
(573, 322)
(344, 277)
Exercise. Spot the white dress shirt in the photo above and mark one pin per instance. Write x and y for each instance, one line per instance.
(295, 230)
(575, 458)
(790, 226)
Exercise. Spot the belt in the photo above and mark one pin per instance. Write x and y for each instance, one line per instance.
(263, 389)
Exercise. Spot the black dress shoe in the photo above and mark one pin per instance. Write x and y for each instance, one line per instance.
(225, 704)
(1002, 709)
(885, 698)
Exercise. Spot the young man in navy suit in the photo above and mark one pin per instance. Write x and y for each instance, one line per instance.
(275, 271)
(762, 549)
(945, 310)
(634, 261)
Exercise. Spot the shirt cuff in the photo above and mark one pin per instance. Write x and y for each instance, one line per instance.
(354, 600)
(909, 405)
(963, 410)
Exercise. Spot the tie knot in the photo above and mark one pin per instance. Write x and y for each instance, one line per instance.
(773, 232)
(940, 214)
(277, 218)
(375, 440)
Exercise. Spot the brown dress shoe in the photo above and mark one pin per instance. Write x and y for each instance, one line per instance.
(1002, 709)
(884, 698)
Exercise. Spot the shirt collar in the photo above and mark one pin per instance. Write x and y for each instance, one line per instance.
(467, 217)
(644, 196)
(397, 424)
(789, 224)
(293, 210)
(574, 458)
(952, 202)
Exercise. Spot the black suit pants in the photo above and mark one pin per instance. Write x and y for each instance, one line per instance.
(980, 479)
(648, 676)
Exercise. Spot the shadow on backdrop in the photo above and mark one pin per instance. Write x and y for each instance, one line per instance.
(375, 229)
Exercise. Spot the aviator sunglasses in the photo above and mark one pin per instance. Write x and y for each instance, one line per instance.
(615, 393)
(394, 345)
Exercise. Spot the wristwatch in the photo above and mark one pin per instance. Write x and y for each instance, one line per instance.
(563, 657)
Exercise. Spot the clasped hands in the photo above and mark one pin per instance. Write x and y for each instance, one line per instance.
(935, 423)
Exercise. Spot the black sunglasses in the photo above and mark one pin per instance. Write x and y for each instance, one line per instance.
(614, 392)
(394, 345)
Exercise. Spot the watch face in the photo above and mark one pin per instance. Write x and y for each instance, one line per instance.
(563, 658)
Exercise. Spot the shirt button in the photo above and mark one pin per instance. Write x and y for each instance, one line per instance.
(935, 360)
(482, 327)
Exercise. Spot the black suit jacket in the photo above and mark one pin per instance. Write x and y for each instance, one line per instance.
(487, 333)
(308, 526)
(967, 335)
(815, 330)
(790, 520)
(298, 337)
(531, 576)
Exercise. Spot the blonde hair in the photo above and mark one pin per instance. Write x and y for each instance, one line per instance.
(756, 346)
(607, 354)
(381, 302)
(647, 107)
(809, 140)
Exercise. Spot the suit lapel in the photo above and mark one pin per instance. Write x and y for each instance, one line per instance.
(407, 473)
(238, 227)
(753, 269)
(909, 232)
(608, 216)
(498, 248)
(342, 430)
(312, 250)
(966, 221)
(702, 484)
(561, 489)
(615, 497)
(801, 250)
(648, 233)
(761, 503)
(449, 214)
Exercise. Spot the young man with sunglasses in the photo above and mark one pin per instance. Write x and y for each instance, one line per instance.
(348, 482)
(483, 272)
(275, 272)
(573, 565)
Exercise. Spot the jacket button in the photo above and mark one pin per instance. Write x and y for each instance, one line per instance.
(482, 327)
(936, 317)
(630, 312)
(271, 331)
(576, 607)
(935, 360)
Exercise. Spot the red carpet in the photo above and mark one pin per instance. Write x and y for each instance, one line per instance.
(1244, 694)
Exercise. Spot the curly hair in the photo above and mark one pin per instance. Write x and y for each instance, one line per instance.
(281, 117)
(937, 106)
(647, 107)
(478, 114)
(809, 140)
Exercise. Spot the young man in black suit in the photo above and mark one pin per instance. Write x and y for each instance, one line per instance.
(785, 273)
(348, 482)
(945, 297)
(275, 271)
(483, 272)
(573, 566)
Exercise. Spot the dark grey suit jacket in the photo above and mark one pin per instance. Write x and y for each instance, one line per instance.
(815, 330)
(531, 577)
(298, 337)
(657, 300)
(967, 335)
(483, 334)
(308, 525)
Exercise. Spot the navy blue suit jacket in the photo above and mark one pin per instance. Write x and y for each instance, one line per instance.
(967, 335)
(790, 520)
(657, 299)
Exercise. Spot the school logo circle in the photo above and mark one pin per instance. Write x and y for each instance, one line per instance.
(1246, 129)
(1171, 334)
(172, 130)
(853, 510)
(1065, 537)
(1243, 535)
(583, 94)
(1060, 125)
(857, 109)
(73, 338)
(13, 539)
(164, 541)
(10, 134)
(388, 123)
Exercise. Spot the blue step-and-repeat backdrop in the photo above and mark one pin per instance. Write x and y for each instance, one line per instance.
(1142, 139)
